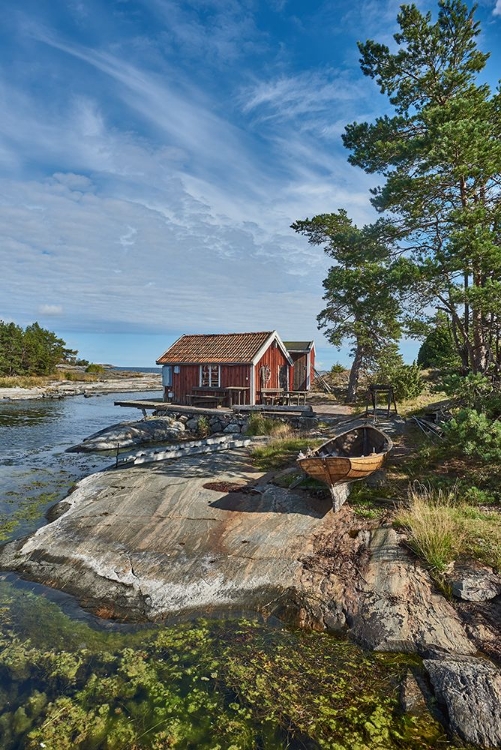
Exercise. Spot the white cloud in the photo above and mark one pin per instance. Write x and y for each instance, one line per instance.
(50, 310)
(497, 9)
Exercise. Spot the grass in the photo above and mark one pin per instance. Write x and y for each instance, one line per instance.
(261, 425)
(42, 381)
(443, 527)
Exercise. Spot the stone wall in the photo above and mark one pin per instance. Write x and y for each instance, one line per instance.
(210, 421)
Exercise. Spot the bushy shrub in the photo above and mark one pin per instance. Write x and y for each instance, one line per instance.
(474, 391)
(438, 350)
(407, 382)
(337, 369)
(95, 369)
(389, 368)
(473, 434)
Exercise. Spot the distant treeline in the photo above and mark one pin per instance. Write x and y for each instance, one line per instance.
(31, 351)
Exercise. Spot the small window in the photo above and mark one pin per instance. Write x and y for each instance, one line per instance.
(167, 376)
(209, 376)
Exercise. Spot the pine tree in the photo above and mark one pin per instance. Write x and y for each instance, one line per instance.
(440, 155)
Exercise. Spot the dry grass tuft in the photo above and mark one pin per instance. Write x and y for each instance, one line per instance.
(435, 532)
(442, 527)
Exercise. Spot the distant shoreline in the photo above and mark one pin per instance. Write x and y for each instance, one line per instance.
(109, 382)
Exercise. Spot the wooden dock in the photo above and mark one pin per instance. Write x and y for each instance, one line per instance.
(158, 405)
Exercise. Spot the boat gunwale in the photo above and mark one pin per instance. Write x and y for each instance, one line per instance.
(346, 432)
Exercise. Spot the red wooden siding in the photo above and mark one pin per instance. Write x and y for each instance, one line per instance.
(312, 367)
(188, 378)
(273, 358)
(184, 381)
(302, 378)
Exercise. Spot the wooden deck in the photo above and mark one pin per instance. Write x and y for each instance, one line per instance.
(154, 405)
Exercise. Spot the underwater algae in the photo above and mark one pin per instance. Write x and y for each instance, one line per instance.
(213, 685)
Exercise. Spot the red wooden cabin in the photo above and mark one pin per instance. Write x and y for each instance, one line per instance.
(302, 354)
(225, 369)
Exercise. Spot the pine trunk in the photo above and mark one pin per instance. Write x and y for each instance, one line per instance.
(355, 374)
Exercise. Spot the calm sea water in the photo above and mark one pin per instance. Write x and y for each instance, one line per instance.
(34, 467)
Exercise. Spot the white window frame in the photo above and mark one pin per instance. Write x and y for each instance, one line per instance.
(214, 376)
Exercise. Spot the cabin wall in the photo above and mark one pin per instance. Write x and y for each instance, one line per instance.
(187, 377)
(184, 379)
(312, 368)
(300, 380)
(304, 364)
(268, 372)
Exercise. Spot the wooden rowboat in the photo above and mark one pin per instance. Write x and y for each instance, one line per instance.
(347, 457)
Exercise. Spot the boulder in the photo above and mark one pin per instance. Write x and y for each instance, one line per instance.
(129, 434)
(474, 582)
(470, 690)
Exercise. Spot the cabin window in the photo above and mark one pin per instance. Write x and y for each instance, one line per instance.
(167, 376)
(210, 376)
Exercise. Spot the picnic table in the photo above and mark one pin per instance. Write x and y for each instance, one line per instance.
(282, 396)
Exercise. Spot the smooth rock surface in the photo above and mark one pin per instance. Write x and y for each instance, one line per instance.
(471, 691)
(128, 434)
(148, 543)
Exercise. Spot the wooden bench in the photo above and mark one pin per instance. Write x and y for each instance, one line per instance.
(195, 399)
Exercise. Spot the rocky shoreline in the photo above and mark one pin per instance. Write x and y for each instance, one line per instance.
(210, 533)
(110, 382)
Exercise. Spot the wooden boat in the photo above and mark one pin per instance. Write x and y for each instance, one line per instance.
(347, 457)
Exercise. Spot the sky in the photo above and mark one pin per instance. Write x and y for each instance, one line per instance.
(154, 154)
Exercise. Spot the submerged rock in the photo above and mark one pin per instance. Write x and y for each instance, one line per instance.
(470, 690)
(128, 434)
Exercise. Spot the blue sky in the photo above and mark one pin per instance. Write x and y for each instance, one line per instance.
(154, 154)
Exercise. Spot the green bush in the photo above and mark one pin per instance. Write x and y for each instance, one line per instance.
(473, 434)
(95, 369)
(474, 391)
(407, 380)
(438, 349)
(337, 369)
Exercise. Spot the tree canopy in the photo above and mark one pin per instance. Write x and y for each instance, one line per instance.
(440, 155)
(32, 351)
(361, 288)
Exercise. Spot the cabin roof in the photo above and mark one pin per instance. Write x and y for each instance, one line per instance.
(299, 346)
(219, 348)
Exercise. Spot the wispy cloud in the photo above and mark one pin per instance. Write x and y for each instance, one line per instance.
(155, 152)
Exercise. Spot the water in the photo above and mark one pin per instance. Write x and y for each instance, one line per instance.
(67, 682)
(34, 467)
(156, 370)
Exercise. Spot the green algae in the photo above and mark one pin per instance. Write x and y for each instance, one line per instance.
(24, 508)
(207, 684)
